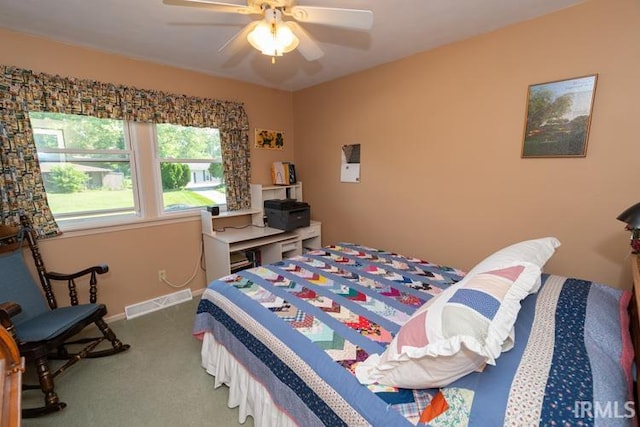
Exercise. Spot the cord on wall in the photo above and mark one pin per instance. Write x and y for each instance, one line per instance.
(195, 270)
(182, 285)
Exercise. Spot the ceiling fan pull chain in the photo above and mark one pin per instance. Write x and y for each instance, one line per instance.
(274, 34)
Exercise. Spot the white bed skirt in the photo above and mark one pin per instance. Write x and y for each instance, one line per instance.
(245, 392)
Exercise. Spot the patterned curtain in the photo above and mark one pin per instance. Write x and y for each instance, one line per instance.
(22, 91)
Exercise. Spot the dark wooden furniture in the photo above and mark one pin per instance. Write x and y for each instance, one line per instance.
(42, 329)
(11, 369)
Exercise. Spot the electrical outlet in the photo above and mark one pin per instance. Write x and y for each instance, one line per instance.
(162, 275)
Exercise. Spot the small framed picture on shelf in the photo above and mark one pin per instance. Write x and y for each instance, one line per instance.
(269, 139)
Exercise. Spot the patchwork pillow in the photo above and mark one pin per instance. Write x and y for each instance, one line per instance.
(456, 332)
(536, 252)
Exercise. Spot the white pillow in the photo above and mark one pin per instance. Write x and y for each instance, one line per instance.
(536, 252)
(420, 357)
(455, 332)
(464, 327)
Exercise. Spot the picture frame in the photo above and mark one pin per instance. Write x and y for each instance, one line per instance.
(350, 167)
(269, 139)
(558, 117)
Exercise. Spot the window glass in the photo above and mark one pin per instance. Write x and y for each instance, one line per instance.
(190, 167)
(89, 168)
(86, 165)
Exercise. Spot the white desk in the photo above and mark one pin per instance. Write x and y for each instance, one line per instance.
(274, 244)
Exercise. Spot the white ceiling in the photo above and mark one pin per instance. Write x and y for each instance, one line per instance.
(189, 38)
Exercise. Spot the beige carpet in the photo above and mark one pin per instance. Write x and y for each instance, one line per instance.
(157, 382)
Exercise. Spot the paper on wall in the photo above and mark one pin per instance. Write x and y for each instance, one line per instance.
(350, 168)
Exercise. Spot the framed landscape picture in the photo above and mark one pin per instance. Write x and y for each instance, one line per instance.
(558, 117)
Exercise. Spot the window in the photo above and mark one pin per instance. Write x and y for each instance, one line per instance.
(86, 165)
(190, 164)
(94, 169)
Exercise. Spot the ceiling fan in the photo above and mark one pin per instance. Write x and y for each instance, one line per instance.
(278, 30)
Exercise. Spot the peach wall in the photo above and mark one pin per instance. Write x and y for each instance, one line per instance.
(441, 136)
(135, 256)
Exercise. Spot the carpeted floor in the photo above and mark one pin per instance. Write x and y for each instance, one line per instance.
(157, 382)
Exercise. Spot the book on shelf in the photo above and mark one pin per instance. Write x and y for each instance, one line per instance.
(244, 259)
(238, 260)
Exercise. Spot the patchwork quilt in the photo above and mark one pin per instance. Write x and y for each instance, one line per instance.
(300, 327)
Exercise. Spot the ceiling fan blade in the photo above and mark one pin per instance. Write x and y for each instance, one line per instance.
(356, 19)
(307, 47)
(239, 40)
(215, 6)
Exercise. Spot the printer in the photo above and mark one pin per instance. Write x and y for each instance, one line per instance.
(287, 214)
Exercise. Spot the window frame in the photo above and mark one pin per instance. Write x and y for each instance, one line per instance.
(142, 141)
(158, 178)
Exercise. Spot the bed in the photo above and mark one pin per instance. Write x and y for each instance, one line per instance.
(291, 340)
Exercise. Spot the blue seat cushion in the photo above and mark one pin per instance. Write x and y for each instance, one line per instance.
(52, 323)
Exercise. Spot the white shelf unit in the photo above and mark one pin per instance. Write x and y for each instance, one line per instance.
(310, 237)
(273, 244)
(260, 193)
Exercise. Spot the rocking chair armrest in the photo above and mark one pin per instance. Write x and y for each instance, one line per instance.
(92, 272)
(8, 309)
(99, 269)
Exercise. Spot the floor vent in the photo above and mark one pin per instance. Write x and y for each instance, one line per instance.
(156, 304)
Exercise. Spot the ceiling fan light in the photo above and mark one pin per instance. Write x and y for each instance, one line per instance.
(285, 38)
(261, 32)
(273, 39)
